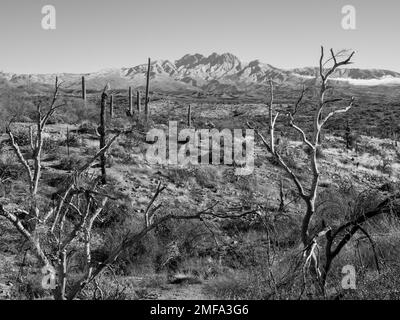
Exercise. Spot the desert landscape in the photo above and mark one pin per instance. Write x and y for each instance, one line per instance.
(84, 215)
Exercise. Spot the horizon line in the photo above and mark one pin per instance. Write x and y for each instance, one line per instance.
(187, 54)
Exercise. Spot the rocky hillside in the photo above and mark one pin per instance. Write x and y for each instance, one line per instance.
(217, 73)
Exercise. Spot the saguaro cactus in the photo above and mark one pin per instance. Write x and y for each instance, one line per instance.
(130, 102)
(111, 106)
(189, 116)
(138, 102)
(84, 89)
(281, 197)
(347, 135)
(68, 139)
(102, 134)
(146, 105)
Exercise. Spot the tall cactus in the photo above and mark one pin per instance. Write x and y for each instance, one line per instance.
(111, 106)
(348, 136)
(68, 139)
(102, 134)
(84, 89)
(138, 102)
(146, 102)
(189, 116)
(130, 102)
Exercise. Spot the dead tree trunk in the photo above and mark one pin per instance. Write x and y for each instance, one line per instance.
(312, 142)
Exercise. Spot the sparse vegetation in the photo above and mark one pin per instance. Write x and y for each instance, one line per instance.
(323, 194)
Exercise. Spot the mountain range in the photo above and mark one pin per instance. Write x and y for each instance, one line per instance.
(221, 74)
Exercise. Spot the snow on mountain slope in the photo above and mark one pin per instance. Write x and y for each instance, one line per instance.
(215, 73)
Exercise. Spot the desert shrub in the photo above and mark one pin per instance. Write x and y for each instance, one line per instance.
(253, 284)
(132, 140)
(50, 145)
(118, 151)
(180, 176)
(372, 149)
(385, 166)
(117, 220)
(73, 140)
(231, 287)
(57, 118)
(371, 283)
(31, 288)
(91, 150)
(155, 281)
(138, 121)
(345, 185)
(389, 146)
(119, 123)
(247, 187)
(140, 259)
(70, 163)
(21, 137)
(108, 287)
(202, 268)
(110, 161)
(207, 177)
(16, 104)
(320, 151)
(376, 286)
(77, 111)
(9, 166)
(87, 127)
(352, 139)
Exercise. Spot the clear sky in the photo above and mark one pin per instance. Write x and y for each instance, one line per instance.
(97, 34)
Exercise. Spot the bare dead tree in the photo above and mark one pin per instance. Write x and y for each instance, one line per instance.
(312, 143)
(33, 170)
(149, 212)
(36, 220)
(336, 238)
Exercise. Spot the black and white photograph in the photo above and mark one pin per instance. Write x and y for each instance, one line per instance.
(216, 152)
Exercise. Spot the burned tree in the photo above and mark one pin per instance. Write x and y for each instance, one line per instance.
(41, 225)
(335, 237)
(312, 142)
